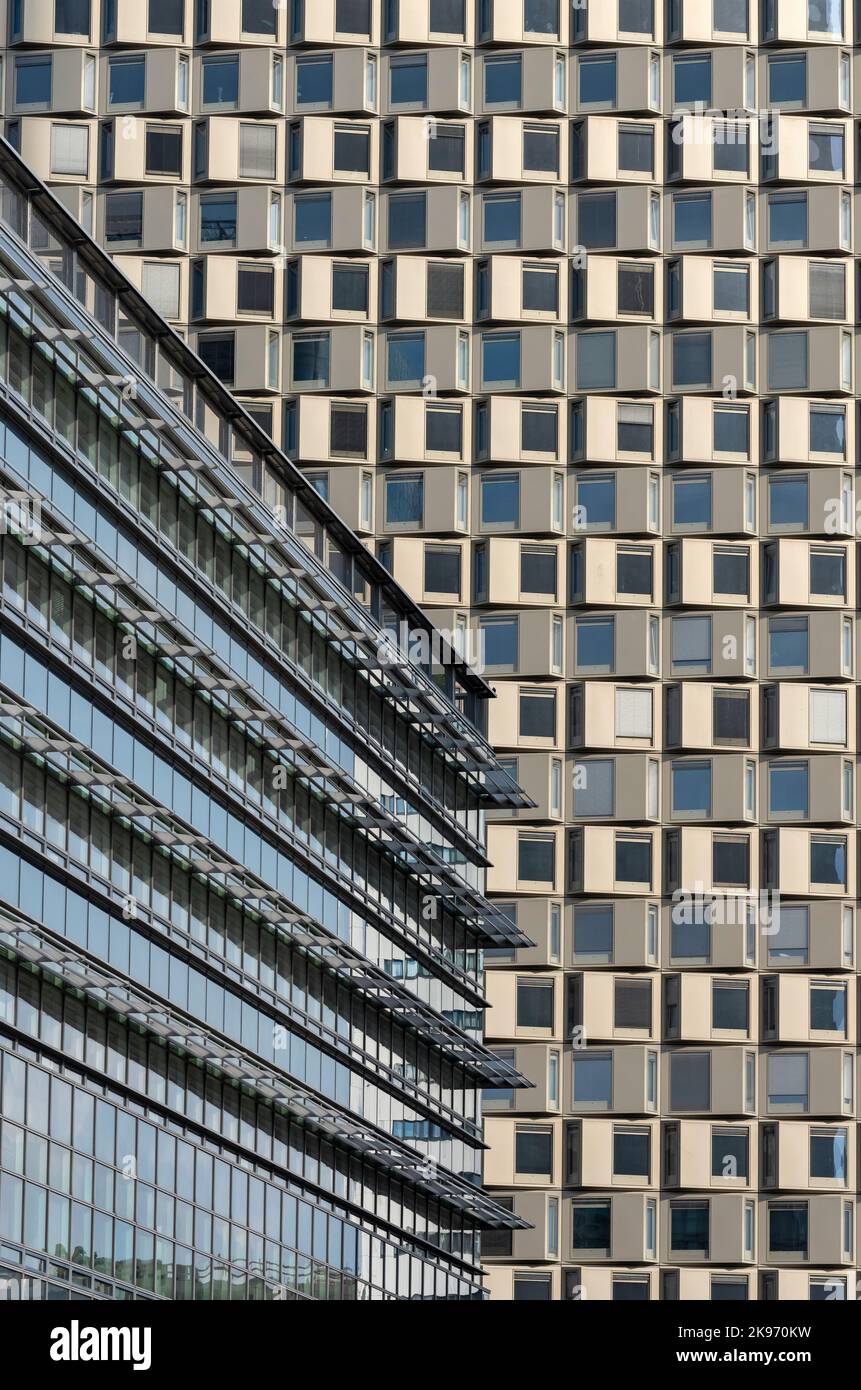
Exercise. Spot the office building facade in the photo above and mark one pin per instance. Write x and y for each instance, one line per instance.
(242, 841)
(555, 303)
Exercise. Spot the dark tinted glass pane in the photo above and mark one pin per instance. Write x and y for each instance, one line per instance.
(787, 1228)
(314, 82)
(541, 150)
(445, 291)
(637, 148)
(407, 216)
(597, 220)
(534, 1006)
(166, 16)
(446, 17)
(442, 571)
(256, 290)
(731, 716)
(535, 860)
(541, 16)
(218, 354)
(443, 430)
(828, 432)
(352, 151)
(689, 1228)
(731, 572)
(125, 81)
(350, 288)
(538, 431)
(690, 1085)
(541, 290)
(349, 431)
(446, 149)
(164, 152)
(730, 1006)
(729, 1154)
(730, 862)
(633, 1006)
(591, 1226)
(259, 17)
(537, 715)
(636, 293)
(72, 16)
(533, 1152)
(828, 573)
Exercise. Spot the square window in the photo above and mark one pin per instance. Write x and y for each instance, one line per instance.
(635, 289)
(541, 149)
(596, 361)
(164, 150)
(502, 220)
(828, 861)
(595, 645)
(731, 571)
(537, 714)
(631, 1153)
(536, 855)
(406, 359)
(633, 859)
(593, 1077)
(731, 289)
(541, 288)
(33, 81)
(593, 940)
(535, 1004)
(499, 638)
(825, 149)
(352, 151)
(596, 214)
(594, 782)
(311, 359)
(828, 572)
(446, 149)
(503, 80)
(690, 1081)
(787, 361)
(166, 17)
(314, 81)
(70, 149)
(633, 1004)
(350, 288)
(257, 146)
(731, 716)
(692, 220)
(692, 359)
(500, 500)
(692, 643)
(220, 76)
(787, 645)
(72, 17)
(500, 359)
(731, 430)
(597, 82)
(533, 1151)
(636, 153)
(787, 220)
(730, 1006)
(731, 861)
(407, 221)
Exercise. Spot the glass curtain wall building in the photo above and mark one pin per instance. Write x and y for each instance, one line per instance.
(241, 842)
(556, 304)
